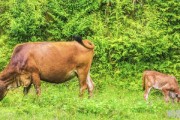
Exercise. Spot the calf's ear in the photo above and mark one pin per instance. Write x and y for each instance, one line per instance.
(177, 95)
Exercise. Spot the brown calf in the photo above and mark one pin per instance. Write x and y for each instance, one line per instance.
(166, 83)
(54, 62)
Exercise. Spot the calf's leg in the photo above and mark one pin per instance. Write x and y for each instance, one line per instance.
(146, 93)
(166, 94)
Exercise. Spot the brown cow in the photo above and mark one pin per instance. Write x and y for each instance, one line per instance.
(54, 62)
(163, 82)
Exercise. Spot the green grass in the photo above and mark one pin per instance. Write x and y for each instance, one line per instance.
(111, 101)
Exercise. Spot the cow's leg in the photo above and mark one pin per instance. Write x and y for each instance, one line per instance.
(83, 84)
(90, 85)
(146, 93)
(82, 76)
(36, 82)
(26, 89)
(166, 94)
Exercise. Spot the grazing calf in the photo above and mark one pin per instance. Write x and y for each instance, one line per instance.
(54, 62)
(166, 83)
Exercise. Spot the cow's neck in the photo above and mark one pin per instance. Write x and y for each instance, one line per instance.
(8, 73)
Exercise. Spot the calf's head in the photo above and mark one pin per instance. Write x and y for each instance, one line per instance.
(178, 96)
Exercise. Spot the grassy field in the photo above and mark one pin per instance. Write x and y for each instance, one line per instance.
(111, 101)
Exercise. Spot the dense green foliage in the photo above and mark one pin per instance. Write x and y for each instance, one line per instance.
(122, 31)
(130, 37)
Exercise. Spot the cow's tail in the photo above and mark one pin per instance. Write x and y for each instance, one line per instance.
(143, 81)
(86, 43)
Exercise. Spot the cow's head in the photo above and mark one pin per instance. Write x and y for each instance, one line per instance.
(3, 89)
